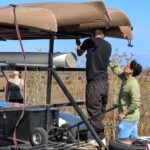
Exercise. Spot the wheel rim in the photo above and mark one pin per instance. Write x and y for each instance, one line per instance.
(37, 138)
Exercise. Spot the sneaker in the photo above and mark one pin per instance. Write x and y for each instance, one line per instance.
(104, 141)
(93, 142)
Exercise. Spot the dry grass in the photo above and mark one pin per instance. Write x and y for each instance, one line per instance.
(75, 83)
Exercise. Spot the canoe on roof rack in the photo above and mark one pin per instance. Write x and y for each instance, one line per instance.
(67, 20)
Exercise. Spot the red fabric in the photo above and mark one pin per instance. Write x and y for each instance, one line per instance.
(25, 71)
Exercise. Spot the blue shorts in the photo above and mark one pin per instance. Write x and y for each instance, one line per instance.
(128, 129)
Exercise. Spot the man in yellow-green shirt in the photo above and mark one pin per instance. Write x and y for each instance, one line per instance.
(129, 97)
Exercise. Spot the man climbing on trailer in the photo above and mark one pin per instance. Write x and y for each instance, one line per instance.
(98, 53)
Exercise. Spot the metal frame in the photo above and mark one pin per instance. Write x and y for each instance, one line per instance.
(51, 72)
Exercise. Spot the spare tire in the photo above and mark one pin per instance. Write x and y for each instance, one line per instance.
(116, 145)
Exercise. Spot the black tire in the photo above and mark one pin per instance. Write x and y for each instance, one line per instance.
(38, 136)
(68, 135)
(116, 145)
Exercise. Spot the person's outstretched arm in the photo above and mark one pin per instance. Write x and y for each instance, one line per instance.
(118, 71)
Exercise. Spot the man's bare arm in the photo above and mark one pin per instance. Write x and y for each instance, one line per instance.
(79, 50)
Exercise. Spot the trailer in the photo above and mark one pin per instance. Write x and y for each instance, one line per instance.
(39, 124)
(37, 120)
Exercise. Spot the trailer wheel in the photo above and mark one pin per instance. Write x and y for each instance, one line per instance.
(39, 136)
(116, 145)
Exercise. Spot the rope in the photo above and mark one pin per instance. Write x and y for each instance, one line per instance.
(25, 70)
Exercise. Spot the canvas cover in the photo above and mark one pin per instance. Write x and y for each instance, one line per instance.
(67, 20)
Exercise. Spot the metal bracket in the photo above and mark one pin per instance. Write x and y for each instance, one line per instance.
(129, 43)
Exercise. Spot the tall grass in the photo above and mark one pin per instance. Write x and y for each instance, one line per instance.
(75, 83)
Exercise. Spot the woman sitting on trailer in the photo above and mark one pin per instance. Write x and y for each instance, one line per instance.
(14, 88)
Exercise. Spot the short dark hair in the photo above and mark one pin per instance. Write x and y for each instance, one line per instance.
(136, 67)
(97, 32)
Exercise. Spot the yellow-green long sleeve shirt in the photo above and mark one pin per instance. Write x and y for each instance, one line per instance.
(129, 93)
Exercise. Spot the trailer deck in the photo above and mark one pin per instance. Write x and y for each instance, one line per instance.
(6, 142)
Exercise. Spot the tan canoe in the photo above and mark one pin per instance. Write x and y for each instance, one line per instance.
(67, 20)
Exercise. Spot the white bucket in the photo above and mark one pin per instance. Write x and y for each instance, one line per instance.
(65, 60)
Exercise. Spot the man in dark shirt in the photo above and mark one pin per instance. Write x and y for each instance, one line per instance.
(98, 53)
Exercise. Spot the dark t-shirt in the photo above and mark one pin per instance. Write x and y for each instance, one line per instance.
(98, 53)
(15, 91)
